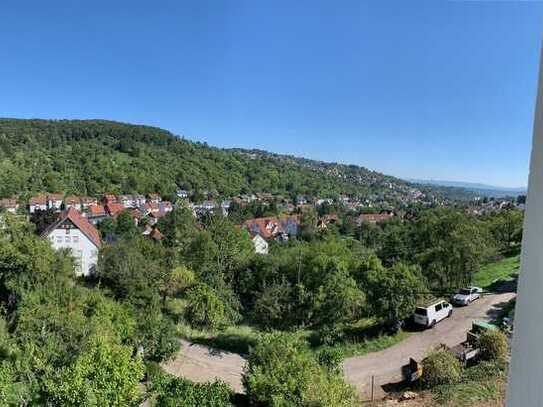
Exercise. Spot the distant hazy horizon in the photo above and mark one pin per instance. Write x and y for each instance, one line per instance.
(427, 90)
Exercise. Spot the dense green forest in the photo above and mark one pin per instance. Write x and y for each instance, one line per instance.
(90, 157)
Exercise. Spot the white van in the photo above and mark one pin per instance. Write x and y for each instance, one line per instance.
(432, 314)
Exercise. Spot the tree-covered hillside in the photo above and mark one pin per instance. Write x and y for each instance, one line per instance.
(96, 156)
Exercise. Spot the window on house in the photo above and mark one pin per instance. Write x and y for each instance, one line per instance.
(67, 239)
(59, 239)
(76, 239)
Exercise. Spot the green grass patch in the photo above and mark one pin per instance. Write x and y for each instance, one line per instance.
(237, 339)
(495, 273)
(353, 347)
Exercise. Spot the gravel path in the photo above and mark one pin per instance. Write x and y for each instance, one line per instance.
(386, 364)
(201, 364)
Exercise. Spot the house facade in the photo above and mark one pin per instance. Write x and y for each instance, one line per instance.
(73, 231)
(261, 246)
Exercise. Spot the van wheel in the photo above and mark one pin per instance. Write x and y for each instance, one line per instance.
(433, 324)
(450, 313)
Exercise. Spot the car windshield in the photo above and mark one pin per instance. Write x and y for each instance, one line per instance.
(421, 311)
(464, 291)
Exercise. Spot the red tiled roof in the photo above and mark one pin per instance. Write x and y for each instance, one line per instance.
(270, 227)
(109, 198)
(80, 222)
(97, 210)
(115, 208)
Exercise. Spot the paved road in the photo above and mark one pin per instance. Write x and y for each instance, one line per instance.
(386, 365)
(200, 363)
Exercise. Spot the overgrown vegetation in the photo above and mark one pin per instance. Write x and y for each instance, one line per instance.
(453, 385)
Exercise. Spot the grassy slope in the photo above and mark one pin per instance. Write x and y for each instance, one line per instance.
(503, 270)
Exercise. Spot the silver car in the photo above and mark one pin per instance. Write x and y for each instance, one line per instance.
(466, 295)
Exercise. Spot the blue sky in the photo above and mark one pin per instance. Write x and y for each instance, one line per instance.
(419, 89)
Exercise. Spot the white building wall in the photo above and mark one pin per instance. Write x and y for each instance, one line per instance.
(261, 246)
(83, 250)
(34, 208)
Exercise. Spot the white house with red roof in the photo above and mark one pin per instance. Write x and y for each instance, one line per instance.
(37, 203)
(73, 231)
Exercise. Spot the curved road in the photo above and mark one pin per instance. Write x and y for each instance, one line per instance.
(200, 363)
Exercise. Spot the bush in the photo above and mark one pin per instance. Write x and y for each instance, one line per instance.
(282, 372)
(157, 335)
(205, 309)
(494, 346)
(440, 367)
(331, 359)
(178, 392)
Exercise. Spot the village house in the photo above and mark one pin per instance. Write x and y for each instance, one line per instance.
(72, 201)
(320, 202)
(54, 201)
(274, 228)
(203, 208)
(109, 199)
(73, 231)
(301, 200)
(9, 205)
(114, 209)
(326, 220)
(136, 214)
(87, 201)
(37, 203)
(96, 213)
(154, 198)
(260, 244)
(182, 194)
(139, 200)
(127, 201)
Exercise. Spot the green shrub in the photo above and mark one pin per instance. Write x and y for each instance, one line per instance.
(179, 392)
(282, 372)
(494, 346)
(440, 367)
(331, 359)
(205, 309)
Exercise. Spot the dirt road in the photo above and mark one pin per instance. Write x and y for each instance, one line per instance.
(386, 365)
(200, 363)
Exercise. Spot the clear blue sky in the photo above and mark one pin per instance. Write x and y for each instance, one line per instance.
(429, 89)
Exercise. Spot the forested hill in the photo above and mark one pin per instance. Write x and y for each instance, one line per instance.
(96, 156)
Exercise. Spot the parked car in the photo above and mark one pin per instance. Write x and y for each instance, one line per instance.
(430, 315)
(466, 295)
